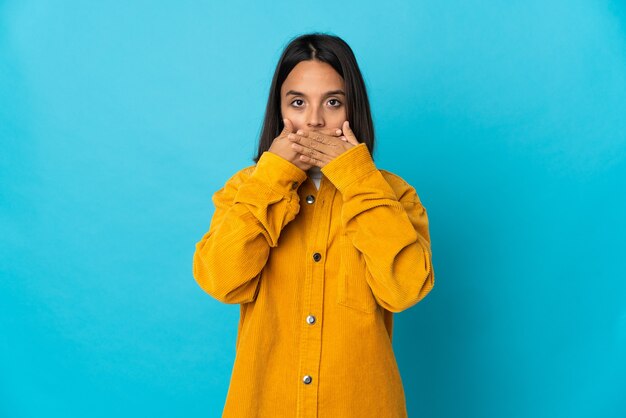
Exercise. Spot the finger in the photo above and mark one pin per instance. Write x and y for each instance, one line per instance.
(326, 144)
(332, 132)
(316, 142)
(288, 127)
(336, 132)
(311, 155)
(319, 137)
(309, 160)
(315, 149)
(347, 131)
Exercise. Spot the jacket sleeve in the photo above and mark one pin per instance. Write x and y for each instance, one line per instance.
(391, 231)
(251, 209)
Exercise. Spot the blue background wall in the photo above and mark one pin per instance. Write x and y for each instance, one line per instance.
(118, 120)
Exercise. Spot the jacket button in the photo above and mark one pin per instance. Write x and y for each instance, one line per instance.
(294, 185)
(307, 379)
(317, 256)
(310, 199)
(310, 319)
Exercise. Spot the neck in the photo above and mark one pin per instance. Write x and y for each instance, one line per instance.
(314, 171)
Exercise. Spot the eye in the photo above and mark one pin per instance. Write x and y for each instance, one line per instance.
(338, 103)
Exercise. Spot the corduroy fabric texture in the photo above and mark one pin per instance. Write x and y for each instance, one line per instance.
(318, 274)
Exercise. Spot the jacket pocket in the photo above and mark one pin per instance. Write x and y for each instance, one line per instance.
(353, 290)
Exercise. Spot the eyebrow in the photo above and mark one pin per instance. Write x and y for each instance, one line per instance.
(328, 93)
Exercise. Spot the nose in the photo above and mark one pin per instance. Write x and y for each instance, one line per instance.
(315, 118)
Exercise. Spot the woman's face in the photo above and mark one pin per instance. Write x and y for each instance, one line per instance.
(313, 96)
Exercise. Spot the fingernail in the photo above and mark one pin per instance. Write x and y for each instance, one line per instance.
(300, 132)
(338, 131)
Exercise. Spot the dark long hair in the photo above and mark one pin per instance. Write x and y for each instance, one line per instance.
(337, 53)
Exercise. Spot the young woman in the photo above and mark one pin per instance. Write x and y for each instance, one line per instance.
(319, 247)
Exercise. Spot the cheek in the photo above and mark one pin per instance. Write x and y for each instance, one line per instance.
(338, 118)
(297, 118)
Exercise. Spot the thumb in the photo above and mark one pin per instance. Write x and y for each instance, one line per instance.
(288, 127)
(347, 132)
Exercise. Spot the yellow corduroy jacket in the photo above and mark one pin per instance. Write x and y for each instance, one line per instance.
(318, 275)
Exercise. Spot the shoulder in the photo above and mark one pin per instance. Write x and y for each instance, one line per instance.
(243, 173)
(402, 189)
(230, 187)
(239, 176)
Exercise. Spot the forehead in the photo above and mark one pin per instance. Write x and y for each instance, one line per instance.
(312, 77)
